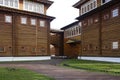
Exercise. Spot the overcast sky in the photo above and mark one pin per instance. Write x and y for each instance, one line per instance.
(64, 13)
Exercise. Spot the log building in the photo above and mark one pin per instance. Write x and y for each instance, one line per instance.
(100, 21)
(72, 40)
(24, 28)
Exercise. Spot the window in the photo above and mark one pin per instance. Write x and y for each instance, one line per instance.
(74, 31)
(1, 2)
(95, 4)
(115, 12)
(16, 3)
(88, 7)
(30, 6)
(8, 19)
(23, 20)
(26, 6)
(77, 30)
(6, 2)
(42, 23)
(10, 3)
(91, 5)
(2, 49)
(82, 10)
(85, 9)
(33, 22)
(115, 45)
(34, 7)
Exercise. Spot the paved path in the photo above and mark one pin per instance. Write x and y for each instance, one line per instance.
(49, 68)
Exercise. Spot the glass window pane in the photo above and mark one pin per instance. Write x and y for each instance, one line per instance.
(16, 3)
(6, 2)
(1, 2)
(33, 22)
(8, 19)
(41, 9)
(30, 7)
(26, 5)
(1, 49)
(115, 45)
(115, 12)
(23, 20)
(42, 23)
(11, 3)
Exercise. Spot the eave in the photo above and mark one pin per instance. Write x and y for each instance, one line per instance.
(98, 9)
(69, 25)
(73, 41)
(46, 2)
(79, 3)
(12, 10)
(56, 31)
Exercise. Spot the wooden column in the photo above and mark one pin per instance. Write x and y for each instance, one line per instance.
(14, 40)
(100, 33)
(48, 37)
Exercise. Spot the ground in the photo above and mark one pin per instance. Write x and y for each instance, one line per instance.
(51, 68)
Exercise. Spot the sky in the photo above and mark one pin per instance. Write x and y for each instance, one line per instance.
(64, 13)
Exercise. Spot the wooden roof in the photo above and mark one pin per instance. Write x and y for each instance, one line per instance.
(12, 10)
(98, 9)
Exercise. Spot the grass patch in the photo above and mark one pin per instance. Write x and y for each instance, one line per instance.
(107, 67)
(20, 74)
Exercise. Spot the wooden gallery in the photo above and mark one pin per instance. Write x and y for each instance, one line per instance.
(98, 29)
(24, 29)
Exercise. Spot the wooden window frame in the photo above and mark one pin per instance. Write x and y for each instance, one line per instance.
(22, 19)
(3, 49)
(1, 2)
(8, 16)
(117, 8)
(114, 47)
(33, 19)
(42, 23)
